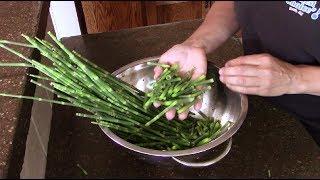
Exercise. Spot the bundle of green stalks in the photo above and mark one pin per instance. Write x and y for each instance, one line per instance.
(109, 101)
(175, 91)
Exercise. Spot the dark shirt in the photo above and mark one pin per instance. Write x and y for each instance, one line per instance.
(290, 31)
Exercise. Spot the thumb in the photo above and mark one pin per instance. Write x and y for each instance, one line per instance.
(198, 104)
(157, 71)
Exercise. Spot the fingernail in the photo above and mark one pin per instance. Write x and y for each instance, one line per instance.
(183, 116)
(155, 76)
(221, 71)
(170, 114)
(221, 78)
(169, 117)
(197, 107)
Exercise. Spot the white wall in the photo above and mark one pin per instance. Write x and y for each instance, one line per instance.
(64, 18)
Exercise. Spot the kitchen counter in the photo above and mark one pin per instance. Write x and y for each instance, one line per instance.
(270, 143)
(17, 17)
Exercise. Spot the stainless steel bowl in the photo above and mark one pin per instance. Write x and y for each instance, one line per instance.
(219, 103)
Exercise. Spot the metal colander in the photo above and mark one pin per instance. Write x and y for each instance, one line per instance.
(219, 103)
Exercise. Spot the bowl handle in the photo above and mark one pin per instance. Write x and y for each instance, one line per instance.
(206, 163)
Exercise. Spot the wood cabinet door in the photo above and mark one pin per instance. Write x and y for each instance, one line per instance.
(159, 12)
(103, 16)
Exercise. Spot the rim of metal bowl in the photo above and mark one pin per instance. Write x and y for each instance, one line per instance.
(224, 137)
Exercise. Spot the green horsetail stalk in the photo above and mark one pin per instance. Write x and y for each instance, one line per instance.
(115, 104)
(175, 93)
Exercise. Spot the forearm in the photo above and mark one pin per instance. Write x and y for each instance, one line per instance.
(219, 24)
(306, 80)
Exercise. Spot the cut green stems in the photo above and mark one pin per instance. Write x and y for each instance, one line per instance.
(158, 64)
(43, 86)
(109, 119)
(16, 53)
(16, 43)
(209, 81)
(15, 65)
(196, 94)
(114, 103)
(161, 114)
(185, 107)
(36, 99)
(40, 77)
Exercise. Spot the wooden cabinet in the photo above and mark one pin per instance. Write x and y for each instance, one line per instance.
(103, 16)
(159, 12)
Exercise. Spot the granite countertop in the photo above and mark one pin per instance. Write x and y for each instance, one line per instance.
(16, 17)
(270, 143)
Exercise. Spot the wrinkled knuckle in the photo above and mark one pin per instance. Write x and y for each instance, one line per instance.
(271, 75)
(240, 70)
(241, 81)
(231, 70)
(244, 90)
(267, 73)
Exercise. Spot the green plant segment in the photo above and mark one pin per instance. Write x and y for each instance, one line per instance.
(174, 91)
(115, 104)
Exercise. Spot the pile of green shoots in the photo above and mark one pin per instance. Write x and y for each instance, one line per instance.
(115, 104)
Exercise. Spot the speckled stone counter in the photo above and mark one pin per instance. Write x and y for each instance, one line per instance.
(16, 17)
(270, 143)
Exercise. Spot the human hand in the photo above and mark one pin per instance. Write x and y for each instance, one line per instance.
(188, 58)
(260, 74)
